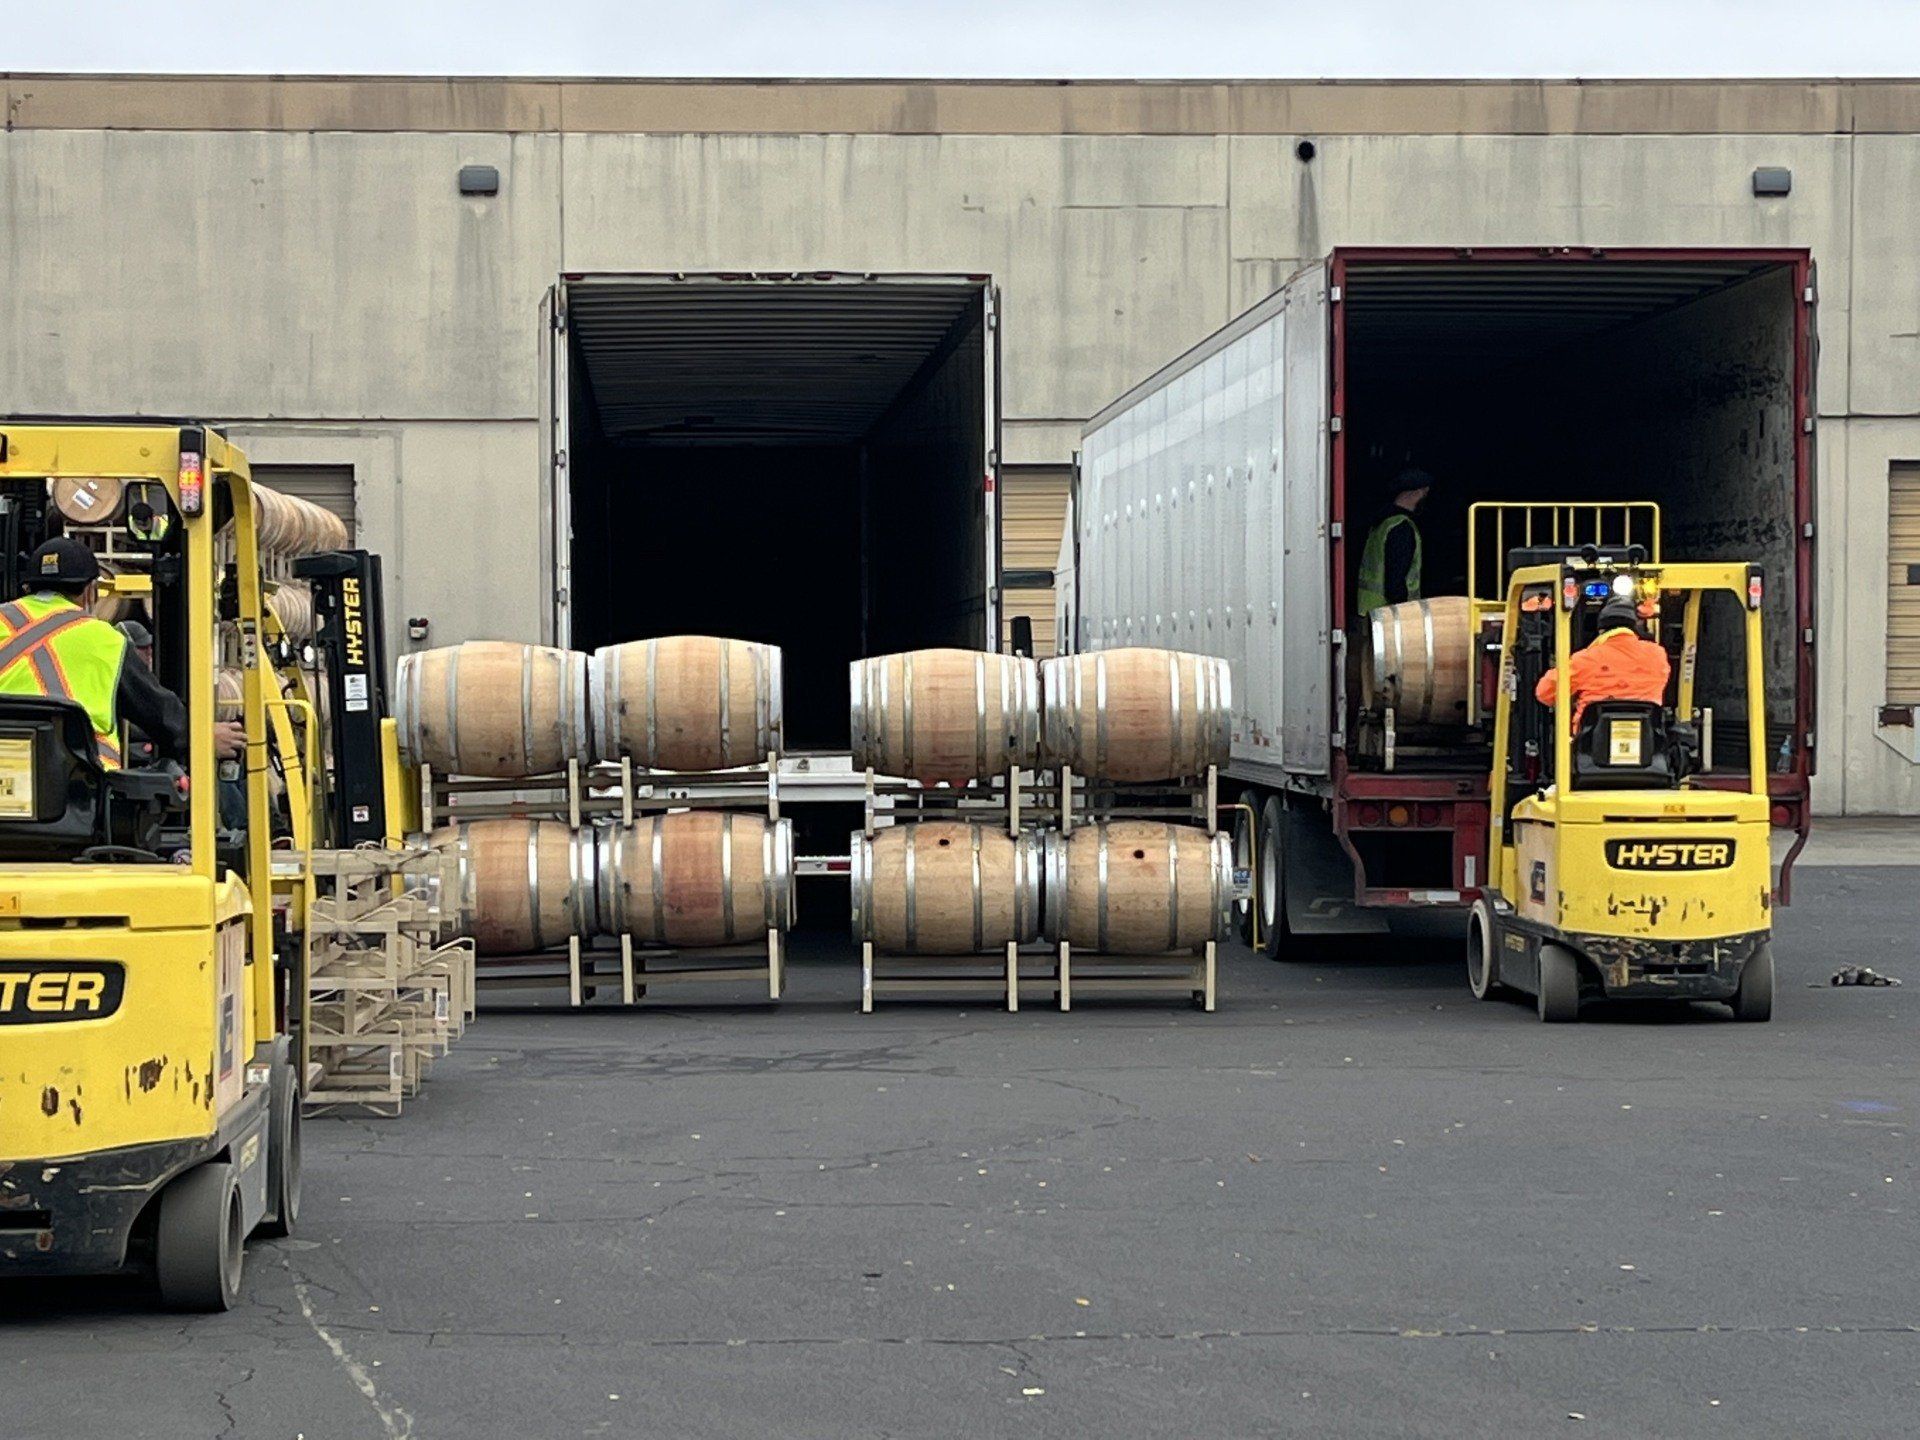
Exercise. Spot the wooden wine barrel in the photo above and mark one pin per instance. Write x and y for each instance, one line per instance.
(492, 708)
(287, 525)
(1138, 887)
(945, 887)
(952, 715)
(525, 885)
(97, 501)
(687, 702)
(1136, 714)
(1420, 660)
(229, 692)
(697, 877)
(292, 605)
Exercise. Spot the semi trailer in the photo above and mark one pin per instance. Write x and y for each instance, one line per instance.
(1222, 506)
(810, 460)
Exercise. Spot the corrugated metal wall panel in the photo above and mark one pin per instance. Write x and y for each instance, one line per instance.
(1903, 585)
(1033, 511)
(328, 486)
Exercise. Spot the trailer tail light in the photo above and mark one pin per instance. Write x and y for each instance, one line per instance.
(1369, 814)
(193, 472)
(1781, 816)
(1398, 815)
(1756, 589)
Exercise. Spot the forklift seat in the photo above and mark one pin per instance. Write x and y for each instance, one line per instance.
(57, 802)
(1623, 745)
(52, 786)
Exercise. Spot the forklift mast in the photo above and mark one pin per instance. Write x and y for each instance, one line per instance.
(349, 632)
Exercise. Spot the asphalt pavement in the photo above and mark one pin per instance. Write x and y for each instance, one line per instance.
(1351, 1203)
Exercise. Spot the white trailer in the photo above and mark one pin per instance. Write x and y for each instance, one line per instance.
(1221, 506)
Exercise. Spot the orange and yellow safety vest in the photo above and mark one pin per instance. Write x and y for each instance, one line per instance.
(50, 646)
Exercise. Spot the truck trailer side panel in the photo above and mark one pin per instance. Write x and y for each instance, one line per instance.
(1203, 510)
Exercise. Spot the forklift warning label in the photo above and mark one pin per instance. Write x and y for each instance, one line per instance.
(44, 992)
(1670, 854)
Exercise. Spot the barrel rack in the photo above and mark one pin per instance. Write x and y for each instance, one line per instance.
(1004, 802)
(389, 987)
(1076, 801)
(584, 796)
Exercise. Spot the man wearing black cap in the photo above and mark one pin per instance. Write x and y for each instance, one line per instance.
(51, 644)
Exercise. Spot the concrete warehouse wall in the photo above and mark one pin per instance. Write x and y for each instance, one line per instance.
(291, 256)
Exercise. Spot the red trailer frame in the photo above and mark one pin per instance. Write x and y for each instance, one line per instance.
(1457, 804)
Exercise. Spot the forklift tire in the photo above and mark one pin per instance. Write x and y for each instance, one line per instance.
(1753, 1000)
(1277, 940)
(1559, 985)
(1244, 827)
(283, 1156)
(1483, 953)
(199, 1246)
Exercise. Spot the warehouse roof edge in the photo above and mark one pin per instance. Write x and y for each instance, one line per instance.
(961, 107)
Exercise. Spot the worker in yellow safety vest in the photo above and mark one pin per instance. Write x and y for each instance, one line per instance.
(52, 644)
(1390, 563)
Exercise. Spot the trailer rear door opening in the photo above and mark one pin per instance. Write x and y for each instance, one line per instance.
(800, 460)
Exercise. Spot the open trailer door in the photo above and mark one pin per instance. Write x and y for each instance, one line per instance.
(556, 513)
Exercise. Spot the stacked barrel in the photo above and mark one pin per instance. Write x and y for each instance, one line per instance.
(959, 884)
(693, 876)
(1145, 731)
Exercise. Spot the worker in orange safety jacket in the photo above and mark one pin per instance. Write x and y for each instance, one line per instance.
(1620, 664)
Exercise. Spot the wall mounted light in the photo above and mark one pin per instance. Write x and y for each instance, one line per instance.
(479, 180)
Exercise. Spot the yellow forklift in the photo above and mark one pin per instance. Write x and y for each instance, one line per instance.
(149, 1096)
(1627, 859)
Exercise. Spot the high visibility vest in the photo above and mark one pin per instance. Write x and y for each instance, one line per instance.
(50, 646)
(1373, 564)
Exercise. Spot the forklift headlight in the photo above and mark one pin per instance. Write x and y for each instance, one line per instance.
(1623, 586)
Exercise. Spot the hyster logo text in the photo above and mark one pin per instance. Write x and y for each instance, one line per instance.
(1670, 854)
(39, 992)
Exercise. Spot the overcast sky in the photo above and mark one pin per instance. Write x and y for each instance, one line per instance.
(1077, 38)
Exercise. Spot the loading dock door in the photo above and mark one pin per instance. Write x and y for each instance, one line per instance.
(328, 486)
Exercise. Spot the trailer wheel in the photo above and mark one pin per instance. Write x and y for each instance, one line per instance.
(283, 1159)
(1276, 939)
(1753, 1000)
(1483, 956)
(1245, 826)
(1559, 985)
(199, 1245)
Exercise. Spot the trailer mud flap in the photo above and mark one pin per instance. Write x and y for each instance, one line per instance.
(1319, 881)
